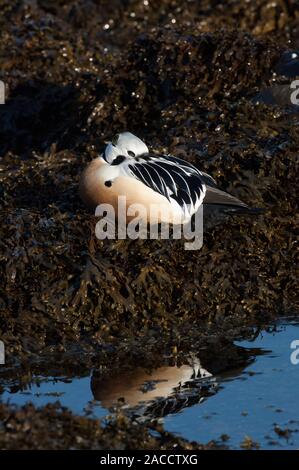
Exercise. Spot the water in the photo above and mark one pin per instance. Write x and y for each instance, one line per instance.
(74, 393)
(255, 402)
(263, 395)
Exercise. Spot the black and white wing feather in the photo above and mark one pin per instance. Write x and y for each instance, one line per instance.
(172, 177)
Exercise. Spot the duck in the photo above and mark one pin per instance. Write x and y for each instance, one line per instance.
(175, 186)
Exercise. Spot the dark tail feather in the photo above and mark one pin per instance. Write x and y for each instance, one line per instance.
(216, 196)
(220, 198)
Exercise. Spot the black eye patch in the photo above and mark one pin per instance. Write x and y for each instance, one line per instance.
(118, 160)
(108, 184)
(131, 153)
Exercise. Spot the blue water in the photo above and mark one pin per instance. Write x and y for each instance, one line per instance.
(74, 393)
(249, 403)
(264, 394)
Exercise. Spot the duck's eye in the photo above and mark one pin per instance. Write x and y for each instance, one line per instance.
(131, 153)
(115, 139)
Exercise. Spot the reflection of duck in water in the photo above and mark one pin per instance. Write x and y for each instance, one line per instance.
(153, 389)
(168, 389)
